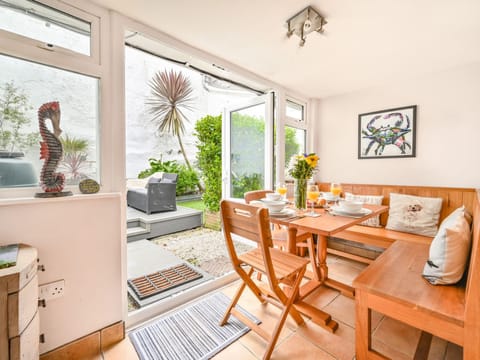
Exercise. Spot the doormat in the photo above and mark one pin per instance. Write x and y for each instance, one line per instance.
(163, 280)
(191, 333)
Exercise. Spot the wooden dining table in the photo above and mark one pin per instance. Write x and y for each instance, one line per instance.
(325, 225)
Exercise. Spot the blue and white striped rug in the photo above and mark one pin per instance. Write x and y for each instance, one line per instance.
(192, 333)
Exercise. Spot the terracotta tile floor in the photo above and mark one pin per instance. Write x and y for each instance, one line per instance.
(309, 341)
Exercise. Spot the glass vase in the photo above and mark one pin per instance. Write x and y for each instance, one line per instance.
(300, 194)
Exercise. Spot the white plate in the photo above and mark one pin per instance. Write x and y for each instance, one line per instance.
(283, 213)
(338, 210)
(329, 196)
(268, 201)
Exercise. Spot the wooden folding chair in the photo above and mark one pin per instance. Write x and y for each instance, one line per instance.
(279, 267)
(280, 234)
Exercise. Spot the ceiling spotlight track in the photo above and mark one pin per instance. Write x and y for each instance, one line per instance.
(303, 23)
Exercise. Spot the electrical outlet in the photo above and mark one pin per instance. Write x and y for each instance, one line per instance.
(52, 290)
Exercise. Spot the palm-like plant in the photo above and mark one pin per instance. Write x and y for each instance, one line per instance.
(171, 96)
(74, 157)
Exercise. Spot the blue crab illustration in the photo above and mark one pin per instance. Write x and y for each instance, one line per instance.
(386, 134)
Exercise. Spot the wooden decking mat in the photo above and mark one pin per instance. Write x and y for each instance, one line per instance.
(160, 281)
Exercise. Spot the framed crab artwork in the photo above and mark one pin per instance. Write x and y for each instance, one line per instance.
(387, 133)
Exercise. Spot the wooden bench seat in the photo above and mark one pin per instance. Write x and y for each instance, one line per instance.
(383, 238)
(393, 285)
(379, 237)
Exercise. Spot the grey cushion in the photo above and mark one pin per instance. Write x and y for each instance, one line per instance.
(449, 250)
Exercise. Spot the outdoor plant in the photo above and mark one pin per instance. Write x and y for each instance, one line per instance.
(171, 97)
(246, 182)
(13, 119)
(187, 178)
(74, 158)
(208, 130)
(292, 147)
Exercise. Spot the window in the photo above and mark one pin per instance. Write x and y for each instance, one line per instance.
(22, 91)
(49, 26)
(295, 131)
(70, 72)
(294, 143)
(294, 111)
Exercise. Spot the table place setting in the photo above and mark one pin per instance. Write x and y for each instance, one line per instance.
(276, 205)
(284, 213)
(349, 208)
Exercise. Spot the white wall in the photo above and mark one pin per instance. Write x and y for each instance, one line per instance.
(79, 240)
(448, 129)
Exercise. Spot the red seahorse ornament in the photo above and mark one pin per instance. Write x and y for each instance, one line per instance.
(51, 151)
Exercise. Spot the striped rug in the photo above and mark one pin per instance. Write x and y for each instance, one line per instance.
(191, 333)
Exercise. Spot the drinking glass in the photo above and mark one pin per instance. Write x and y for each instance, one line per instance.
(282, 190)
(312, 194)
(336, 189)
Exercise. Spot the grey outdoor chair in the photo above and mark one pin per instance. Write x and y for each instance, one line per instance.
(158, 195)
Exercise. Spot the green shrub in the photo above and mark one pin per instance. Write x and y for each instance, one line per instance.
(14, 106)
(244, 183)
(208, 130)
(187, 179)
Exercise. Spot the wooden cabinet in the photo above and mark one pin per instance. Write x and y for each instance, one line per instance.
(19, 323)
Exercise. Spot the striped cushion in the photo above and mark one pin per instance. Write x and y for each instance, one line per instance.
(367, 199)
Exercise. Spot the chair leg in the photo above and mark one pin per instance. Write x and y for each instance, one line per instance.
(247, 281)
(293, 296)
(288, 309)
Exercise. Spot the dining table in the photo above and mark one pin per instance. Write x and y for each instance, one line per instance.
(324, 224)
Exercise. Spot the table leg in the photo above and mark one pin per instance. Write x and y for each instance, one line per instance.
(292, 240)
(318, 316)
(322, 256)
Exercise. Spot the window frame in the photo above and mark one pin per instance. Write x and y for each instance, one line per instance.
(94, 21)
(296, 124)
(281, 120)
(292, 122)
(95, 65)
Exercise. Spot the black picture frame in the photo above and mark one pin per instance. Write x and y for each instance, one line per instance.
(387, 133)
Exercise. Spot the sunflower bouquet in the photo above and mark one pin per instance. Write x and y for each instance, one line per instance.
(303, 166)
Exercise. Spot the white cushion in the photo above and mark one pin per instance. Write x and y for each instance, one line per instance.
(142, 183)
(414, 214)
(449, 250)
(367, 199)
(136, 183)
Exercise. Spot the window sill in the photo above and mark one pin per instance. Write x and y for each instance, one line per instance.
(75, 197)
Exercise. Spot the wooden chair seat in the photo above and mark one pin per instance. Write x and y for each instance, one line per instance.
(284, 271)
(285, 264)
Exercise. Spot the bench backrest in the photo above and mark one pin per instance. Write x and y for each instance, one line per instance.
(472, 296)
(453, 198)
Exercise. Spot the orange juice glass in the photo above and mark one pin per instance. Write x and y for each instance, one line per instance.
(312, 194)
(335, 189)
(282, 189)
